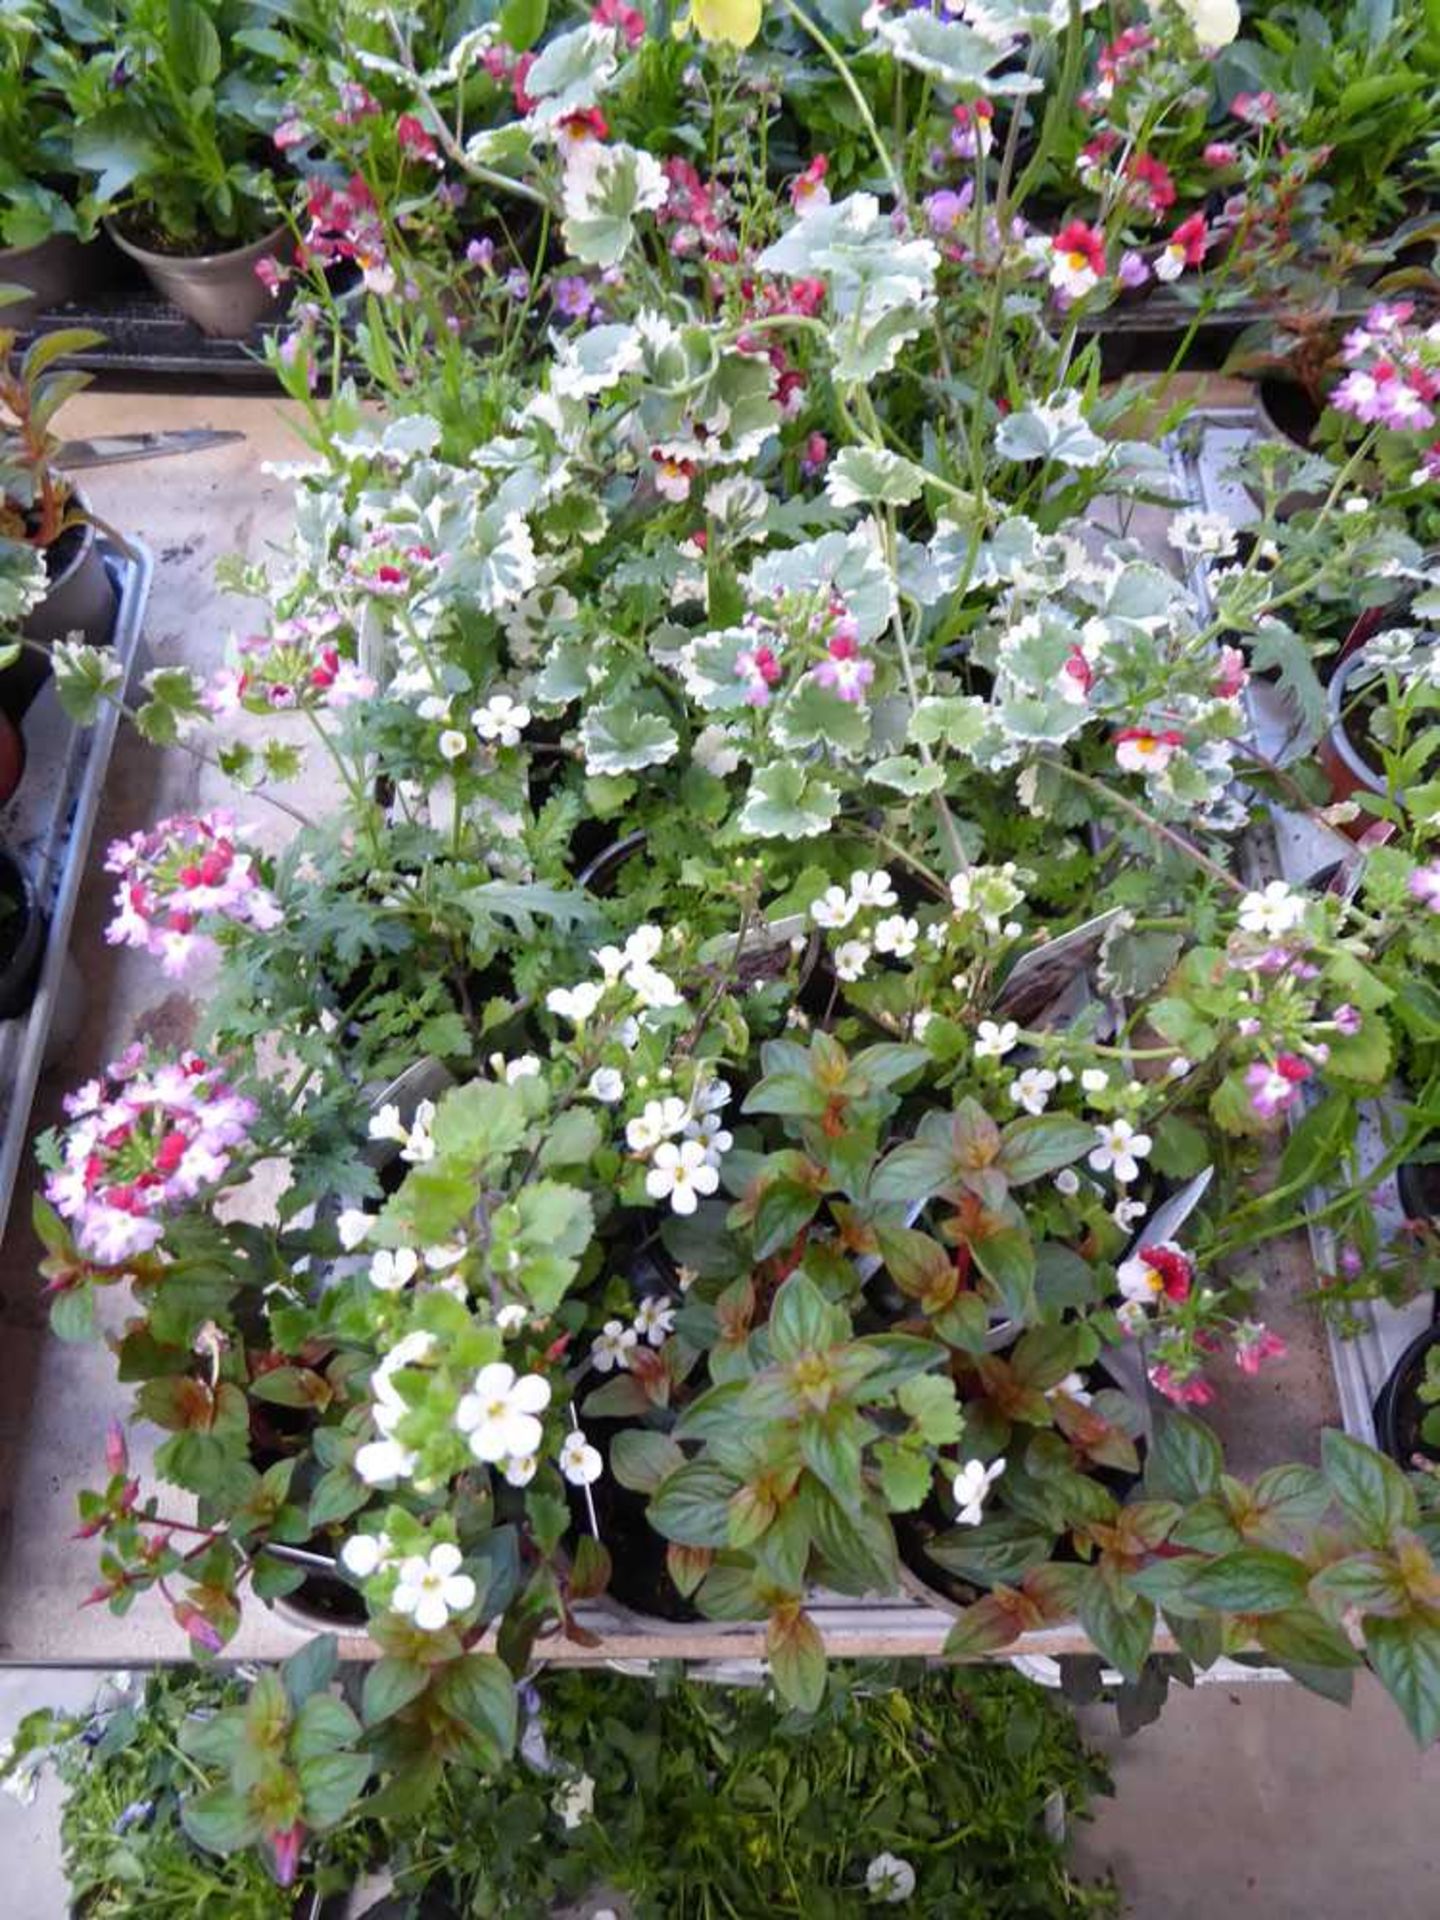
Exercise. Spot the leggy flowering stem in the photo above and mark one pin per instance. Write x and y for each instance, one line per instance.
(852, 87)
(893, 847)
(1151, 825)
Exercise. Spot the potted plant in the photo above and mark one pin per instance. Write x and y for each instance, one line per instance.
(41, 515)
(175, 144)
(46, 223)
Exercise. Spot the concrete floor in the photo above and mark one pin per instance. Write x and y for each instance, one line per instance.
(1257, 1802)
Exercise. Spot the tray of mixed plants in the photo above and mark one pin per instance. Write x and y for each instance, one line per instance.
(777, 1055)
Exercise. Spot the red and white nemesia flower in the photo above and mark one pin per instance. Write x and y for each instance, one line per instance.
(1146, 749)
(1077, 260)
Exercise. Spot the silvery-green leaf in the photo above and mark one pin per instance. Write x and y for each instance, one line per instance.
(1040, 717)
(903, 773)
(849, 565)
(571, 73)
(1012, 548)
(960, 721)
(22, 579)
(497, 563)
(814, 716)
(918, 575)
(788, 802)
(1059, 433)
(953, 54)
(863, 353)
(565, 675)
(594, 361)
(620, 739)
(736, 506)
(866, 476)
(504, 149)
(605, 187)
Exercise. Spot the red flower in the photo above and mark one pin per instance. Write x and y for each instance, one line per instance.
(1083, 243)
(1173, 1267)
(586, 123)
(415, 141)
(1191, 236)
(1152, 179)
(615, 13)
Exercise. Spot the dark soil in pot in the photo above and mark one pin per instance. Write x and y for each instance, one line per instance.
(639, 1578)
(1289, 410)
(1399, 1410)
(12, 751)
(22, 938)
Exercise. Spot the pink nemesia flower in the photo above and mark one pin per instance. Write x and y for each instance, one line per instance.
(1424, 885)
(1220, 153)
(809, 193)
(1254, 1345)
(415, 142)
(1184, 248)
(1256, 109)
(616, 13)
(1143, 750)
(1077, 260)
(1232, 675)
(1193, 1391)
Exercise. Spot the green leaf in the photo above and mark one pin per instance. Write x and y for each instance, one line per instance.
(480, 1123)
(788, 802)
(641, 1458)
(1122, 1634)
(113, 146)
(930, 1401)
(1370, 1581)
(830, 1445)
(692, 1505)
(1406, 1657)
(572, 1139)
(391, 1684)
(1007, 1260)
(1185, 1461)
(803, 1321)
(622, 739)
(72, 1314)
(322, 1725)
(220, 1821)
(905, 1475)
(479, 1691)
(522, 22)
(310, 1668)
(1039, 1144)
(1251, 1580)
(797, 1658)
(1372, 1490)
(869, 476)
(331, 1783)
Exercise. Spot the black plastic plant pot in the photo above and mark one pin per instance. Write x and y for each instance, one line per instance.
(1399, 1410)
(81, 598)
(22, 938)
(1419, 1184)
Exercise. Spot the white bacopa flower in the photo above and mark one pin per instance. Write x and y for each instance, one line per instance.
(430, 1590)
(1120, 1150)
(499, 1413)
(1195, 531)
(834, 909)
(435, 706)
(611, 1346)
(681, 1173)
(993, 1042)
(390, 1271)
(525, 1068)
(872, 890)
(501, 719)
(575, 1800)
(1215, 22)
(850, 959)
(889, 1879)
(381, 1463)
(453, 744)
(1073, 1387)
(386, 1124)
(896, 935)
(654, 1320)
(1067, 1181)
(653, 989)
(643, 946)
(579, 1461)
(364, 1554)
(352, 1224)
(660, 1120)
(710, 1130)
(1272, 911)
(712, 1096)
(520, 1471)
(1125, 1213)
(1032, 1089)
(511, 1317)
(450, 1254)
(970, 1486)
(607, 1085)
(574, 1003)
(1094, 1079)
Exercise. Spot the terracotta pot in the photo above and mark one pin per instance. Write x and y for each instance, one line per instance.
(22, 938)
(220, 292)
(58, 270)
(80, 600)
(12, 747)
(1344, 766)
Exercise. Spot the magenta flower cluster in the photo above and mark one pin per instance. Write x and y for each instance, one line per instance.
(186, 871)
(1392, 380)
(142, 1141)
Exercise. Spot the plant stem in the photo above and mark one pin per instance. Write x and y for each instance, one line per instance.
(1151, 825)
(852, 87)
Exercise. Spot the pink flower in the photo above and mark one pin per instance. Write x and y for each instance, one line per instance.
(809, 193)
(1143, 750)
(1220, 153)
(1133, 270)
(1424, 884)
(290, 133)
(1274, 1089)
(271, 275)
(1184, 248)
(415, 142)
(974, 129)
(845, 672)
(356, 103)
(1254, 1345)
(1159, 1271)
(817, 452)
(1191, 1391)
(1077, 260)
(1076, 678)
(1150, 179)
(615, 13)
(1256, 109)
(761, 671)
(1348, 1020)
(285, 1846)
(184, 870)
(1232, 675)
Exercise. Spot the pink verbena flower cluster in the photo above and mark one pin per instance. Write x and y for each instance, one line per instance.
(827, 637)
(297, 664)
(143, 1140)
(184, 871)
(1394, 377)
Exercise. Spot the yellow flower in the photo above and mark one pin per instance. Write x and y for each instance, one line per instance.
(735, 22)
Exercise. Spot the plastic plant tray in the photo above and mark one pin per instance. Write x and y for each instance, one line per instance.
(46, 827)
(1296, 850)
